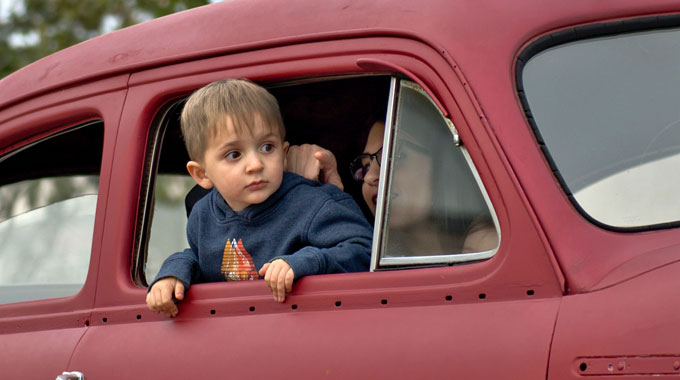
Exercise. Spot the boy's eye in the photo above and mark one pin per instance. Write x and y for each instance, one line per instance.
(233, 155)
(267, 148)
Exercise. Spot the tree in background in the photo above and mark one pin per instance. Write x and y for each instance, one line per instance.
(52, 25)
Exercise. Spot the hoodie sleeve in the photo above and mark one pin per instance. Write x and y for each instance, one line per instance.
(181, 265)
(339, 240)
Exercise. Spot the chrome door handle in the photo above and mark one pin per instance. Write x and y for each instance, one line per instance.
(75, 375)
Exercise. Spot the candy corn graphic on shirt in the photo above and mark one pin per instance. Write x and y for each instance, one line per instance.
(315, 228)
(237, 263)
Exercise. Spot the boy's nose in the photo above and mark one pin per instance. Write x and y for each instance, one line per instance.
(254, 163)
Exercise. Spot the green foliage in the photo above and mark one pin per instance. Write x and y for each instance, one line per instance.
(58, 24)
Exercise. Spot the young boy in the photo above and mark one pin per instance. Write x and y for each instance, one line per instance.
(257, 220)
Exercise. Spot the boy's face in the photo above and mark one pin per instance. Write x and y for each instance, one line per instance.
(246, 168)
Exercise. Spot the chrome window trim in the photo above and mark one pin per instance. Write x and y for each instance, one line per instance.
(380, 210)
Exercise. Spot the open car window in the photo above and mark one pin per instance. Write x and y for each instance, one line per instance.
(49, 197)
(330, 112)
(337, 114)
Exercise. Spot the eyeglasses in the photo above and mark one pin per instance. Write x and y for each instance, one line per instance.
(362, 163)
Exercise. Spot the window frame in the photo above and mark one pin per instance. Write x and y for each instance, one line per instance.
(146, 212)
(378, 259)
(378, 262)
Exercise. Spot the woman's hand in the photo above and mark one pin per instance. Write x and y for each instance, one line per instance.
(315, 163)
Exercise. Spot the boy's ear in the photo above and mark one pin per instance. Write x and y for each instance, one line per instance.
(286, 145)
(198, 174)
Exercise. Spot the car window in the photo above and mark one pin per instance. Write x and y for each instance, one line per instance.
(436, 209)
(49, 198)
(448, 209)
(607, 111)
(331, 113)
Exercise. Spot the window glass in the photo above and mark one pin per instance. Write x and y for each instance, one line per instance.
(47, 218)
(607, 110)
(168, 228)
(435, 212)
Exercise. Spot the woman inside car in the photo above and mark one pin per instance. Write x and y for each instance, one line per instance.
(421, 220)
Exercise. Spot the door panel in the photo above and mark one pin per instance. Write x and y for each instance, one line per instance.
(475, 341)
(41, 354)
(426, 321)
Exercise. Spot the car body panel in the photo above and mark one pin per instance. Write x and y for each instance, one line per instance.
(629, 330)
(506, 277)
(559, 292)
(267, 344)
(50, 329)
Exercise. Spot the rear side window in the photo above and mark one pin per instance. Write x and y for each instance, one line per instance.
(48, 193)
(608, 111)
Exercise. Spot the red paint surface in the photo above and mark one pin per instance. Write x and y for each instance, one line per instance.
(594, 293)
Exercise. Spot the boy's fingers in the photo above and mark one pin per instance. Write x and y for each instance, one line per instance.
(281, 282)
(155, 300)
(179, 290)
(290, 276)
(166, 294)
(273, 280)
(151, 301)
(173, 311)
(279, 278)
(268, 276)
(170, 309)
(263, 270)
(160, 297)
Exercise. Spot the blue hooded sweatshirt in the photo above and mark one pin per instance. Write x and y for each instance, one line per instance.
(315, 228)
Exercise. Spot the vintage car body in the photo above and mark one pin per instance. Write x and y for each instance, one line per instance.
(564, 296)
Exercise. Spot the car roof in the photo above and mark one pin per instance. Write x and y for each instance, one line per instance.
(490, 29)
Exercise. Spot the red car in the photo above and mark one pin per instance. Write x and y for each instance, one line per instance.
(551, 121)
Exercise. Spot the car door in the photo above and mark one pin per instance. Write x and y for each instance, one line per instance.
(55, 158)
(431, 314)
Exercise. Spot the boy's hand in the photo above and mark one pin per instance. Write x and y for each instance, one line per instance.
(315, 163)
(279, 277)
(159, 298)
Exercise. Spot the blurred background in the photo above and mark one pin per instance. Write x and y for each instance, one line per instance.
(32, 29)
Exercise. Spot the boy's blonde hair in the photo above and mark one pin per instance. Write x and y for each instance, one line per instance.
(205, 112)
